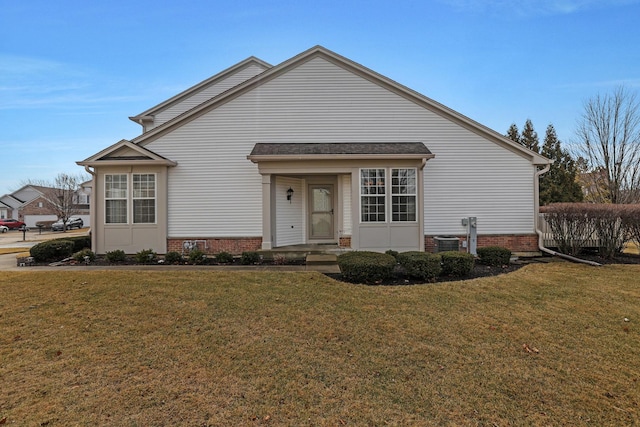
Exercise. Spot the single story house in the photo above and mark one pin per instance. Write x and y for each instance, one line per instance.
(317, 149)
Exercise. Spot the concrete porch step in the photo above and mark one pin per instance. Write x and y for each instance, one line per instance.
(321, 259)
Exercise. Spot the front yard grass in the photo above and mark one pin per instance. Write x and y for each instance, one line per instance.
(553, 344)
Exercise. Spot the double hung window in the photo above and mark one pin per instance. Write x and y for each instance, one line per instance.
(376, 206)
(115, 194)
(373, 195)
(144, 198)
(403, 195)
(119, 196)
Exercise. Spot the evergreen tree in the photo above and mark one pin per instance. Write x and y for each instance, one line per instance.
(530, 137)
(560, 184)
(514, 134)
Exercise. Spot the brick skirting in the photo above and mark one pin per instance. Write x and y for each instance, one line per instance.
(345, 242)
(234, 246)
(513, 242)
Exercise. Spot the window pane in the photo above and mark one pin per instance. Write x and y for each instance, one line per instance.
(372, 195)
(144, 186)
(144, 211)
(116, 211)
(144, 202)
(115, 186)
(403, 208)
(403, 182)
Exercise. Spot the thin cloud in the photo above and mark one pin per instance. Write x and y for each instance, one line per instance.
(39, 83)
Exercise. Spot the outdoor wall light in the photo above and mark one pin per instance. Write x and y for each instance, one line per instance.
(289, 194)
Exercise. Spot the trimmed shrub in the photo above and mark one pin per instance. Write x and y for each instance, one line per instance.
(494, 255)
(224, 258)
(421, 265)
(392, 253)
(80, 242)
(80, 255)
(366, 267)
(173, 258)
(250, 257)
(197, 257)
(146, 256)
(117, 255)
(52, 250)
(456, 263)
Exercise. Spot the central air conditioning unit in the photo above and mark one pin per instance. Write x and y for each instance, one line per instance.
(446, 243)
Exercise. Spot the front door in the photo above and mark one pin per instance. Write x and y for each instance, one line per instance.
(321, 212)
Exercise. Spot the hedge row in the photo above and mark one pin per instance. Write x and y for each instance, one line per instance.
(58, 249)
(573, 225)
(375, 268)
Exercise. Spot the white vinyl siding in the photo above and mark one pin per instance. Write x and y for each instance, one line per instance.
(215, 191)
(205, 94)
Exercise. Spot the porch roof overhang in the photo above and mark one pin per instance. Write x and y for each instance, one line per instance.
(270, 152)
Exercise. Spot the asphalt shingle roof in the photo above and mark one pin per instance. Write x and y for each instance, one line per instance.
(381, 148)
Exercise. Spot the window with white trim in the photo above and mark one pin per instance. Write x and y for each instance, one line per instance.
(144, 198)
(403, 187)
(372, 195)
(115, 195)
(403, 195)
(141, 196)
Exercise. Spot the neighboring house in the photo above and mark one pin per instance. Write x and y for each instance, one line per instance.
(30, 204)
(317, 149)
(9, 207)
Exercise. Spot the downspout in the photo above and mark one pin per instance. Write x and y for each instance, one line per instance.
(92, 207)
(539, 232)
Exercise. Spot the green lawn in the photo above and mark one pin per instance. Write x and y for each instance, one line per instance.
(546, 345)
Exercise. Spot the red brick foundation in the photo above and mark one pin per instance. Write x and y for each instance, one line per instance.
(234, 246)
(345, 242)
(513, 242)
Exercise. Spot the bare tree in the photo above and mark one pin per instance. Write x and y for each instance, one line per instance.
(608, 138)
(61, 196)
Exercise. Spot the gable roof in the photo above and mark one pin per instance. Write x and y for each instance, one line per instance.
(126, 150)
(319, 51)
(252, 60)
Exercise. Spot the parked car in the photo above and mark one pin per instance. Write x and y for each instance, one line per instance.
(12, 224)
(3, 228)
(73, 222)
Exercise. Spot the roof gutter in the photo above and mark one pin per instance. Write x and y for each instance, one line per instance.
(541, 236)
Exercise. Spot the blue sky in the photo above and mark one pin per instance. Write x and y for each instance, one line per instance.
(72, 72)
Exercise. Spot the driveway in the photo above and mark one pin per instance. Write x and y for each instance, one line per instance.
(18, 239)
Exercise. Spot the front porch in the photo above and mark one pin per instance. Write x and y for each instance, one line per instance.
(316, 257)
(364, 196)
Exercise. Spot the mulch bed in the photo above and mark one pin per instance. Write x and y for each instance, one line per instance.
(480, 270)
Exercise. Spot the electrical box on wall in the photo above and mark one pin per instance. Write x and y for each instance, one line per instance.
(471, 224)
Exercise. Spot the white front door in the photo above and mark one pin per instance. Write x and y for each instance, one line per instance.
(321, 212)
